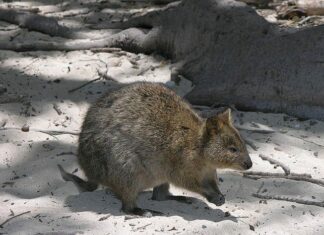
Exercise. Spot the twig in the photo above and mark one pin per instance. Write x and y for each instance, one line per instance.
(12, 213)
(141, 227)
(57, 109)
(26, 9)
(106, 49)
(3, 123)
(275, 162)
(251, 144)
(150, 1)
(7, 220)
(296, 177)
(83, 85)
(307, 141)
(104, 218)
(260, 131)
(54, 132)
(261, 186)
(65, 153)
(144, 70)
(129, 217)
(33, 61)
(307, 19)
(284, 198)
(276, 175)
(100, 76)
(71, 13)
(49, 132)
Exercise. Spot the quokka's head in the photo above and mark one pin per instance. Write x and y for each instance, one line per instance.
(223, 145)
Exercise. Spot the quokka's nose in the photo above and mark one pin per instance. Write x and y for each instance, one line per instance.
(247, 163)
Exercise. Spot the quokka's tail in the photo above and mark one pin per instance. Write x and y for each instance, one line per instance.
(81, 184)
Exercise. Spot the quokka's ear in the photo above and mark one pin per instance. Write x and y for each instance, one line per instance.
(219, 120)
(225, 116)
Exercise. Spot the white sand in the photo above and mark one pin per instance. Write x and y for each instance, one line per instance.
(30, 180)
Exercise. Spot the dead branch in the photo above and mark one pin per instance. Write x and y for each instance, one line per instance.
(150, 1)
(83, 85)
(261, 186)
(3, 123)
(260, 131)
(289, 199)
(148, 20)
(49, 132)
(54, 132)
(66, 153)
(105, 49)
(7, 220)
(71, 13)
(275, 175)
(35, 22)
(57, 109)
(296, 177)
(275, 162)
(129, 217)
(100, 76)
(307, 141)
(287, 175)
(308, 18)
(141, 227)
(251, 144)
(133, 40)
(312, 7)
(104, 217)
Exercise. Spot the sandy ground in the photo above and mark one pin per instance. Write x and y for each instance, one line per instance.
(34, 92)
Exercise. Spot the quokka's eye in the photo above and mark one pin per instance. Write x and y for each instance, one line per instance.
(233, 149)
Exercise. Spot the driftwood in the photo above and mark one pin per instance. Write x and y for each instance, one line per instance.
(312, 7)
(49, 132)
(15, 216)
(287, 175)
(275, 162)
(136, 41)
(289, 199)
(35, 22)
(296, 177)
(149, 1)
(250, 143)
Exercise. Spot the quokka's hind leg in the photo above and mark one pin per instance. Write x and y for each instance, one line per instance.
(129, 207)
(162, 193)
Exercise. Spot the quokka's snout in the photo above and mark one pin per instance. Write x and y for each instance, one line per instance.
(247, 163)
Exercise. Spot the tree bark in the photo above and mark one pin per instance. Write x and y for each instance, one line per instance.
(234, 56)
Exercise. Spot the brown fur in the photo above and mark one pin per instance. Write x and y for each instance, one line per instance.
(144, 136)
